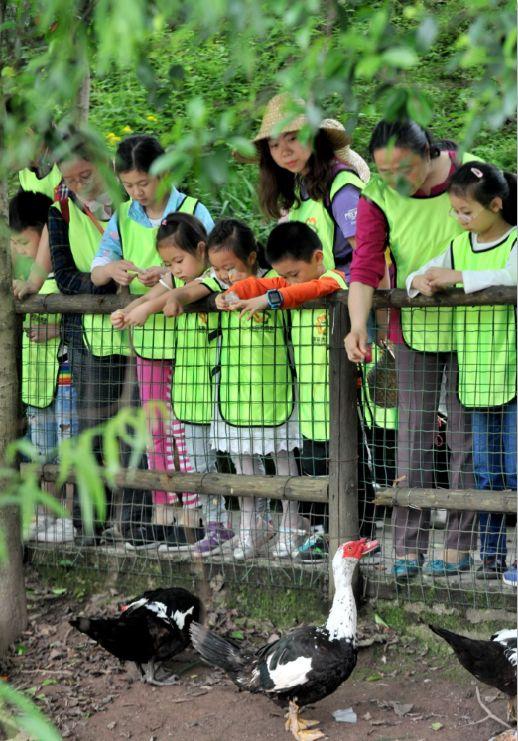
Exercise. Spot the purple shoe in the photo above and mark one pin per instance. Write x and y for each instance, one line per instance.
(216, 534)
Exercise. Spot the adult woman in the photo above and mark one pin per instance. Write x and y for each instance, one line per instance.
(97, 354)
(318, 183)
(406, 206)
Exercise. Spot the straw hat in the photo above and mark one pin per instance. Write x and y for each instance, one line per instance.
(278, 119)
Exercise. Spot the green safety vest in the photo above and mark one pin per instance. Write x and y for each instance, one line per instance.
(155, 339)
(485, 336)
(30, 181)
(311, 353)
(192, 393)
(40, 364)
(374, 414)
(418, 230)
(319, 216)
(99, 336)
(256, 379)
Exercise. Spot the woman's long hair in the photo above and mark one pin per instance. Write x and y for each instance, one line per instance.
(278, 187)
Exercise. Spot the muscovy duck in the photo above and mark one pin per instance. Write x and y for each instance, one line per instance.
(150, 630)
(492, 662)
(306, 664)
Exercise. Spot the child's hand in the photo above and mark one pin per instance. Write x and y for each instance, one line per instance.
(225, 301)
(422, 284)
(151, 276)
(43, 332)
(250, 306)
(118, 319)
(137, 317)
(122, 271)
(440, 278)
(173, 307)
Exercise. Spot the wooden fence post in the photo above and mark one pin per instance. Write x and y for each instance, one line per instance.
(343, 431)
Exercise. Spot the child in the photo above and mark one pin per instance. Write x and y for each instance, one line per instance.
(46, 380)
(181, 244)
(483, 201)
(254, 411)
(127, 255)
(295, 252)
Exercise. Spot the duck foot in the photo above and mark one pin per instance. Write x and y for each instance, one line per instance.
(149, 676)
(299, 727)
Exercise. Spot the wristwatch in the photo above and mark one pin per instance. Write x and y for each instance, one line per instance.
(274, 298)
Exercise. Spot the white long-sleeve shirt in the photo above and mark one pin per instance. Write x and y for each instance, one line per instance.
(473, 280)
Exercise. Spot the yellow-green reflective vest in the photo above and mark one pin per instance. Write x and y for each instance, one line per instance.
(373, 414)
(419, 229)
(311, 353)
(256, 378)
(40, 364)
(30, 181)
(99, 336)
(155, 339)
(319, 216)
(485, 336)
(192, 396)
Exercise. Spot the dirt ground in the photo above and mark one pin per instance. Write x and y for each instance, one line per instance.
(400, 689)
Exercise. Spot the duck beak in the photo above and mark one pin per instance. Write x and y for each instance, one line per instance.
(370, 546)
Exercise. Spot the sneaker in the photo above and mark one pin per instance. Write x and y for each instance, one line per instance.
(314, 549)
(510, 577)
(439, 567)
(60, 531)
(144, 538)
(215, 535)
(178, 538)
(288, 542)
(491, 569)
(253, 543)
(404, 568)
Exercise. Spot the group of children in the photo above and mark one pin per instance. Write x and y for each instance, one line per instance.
(251, 380)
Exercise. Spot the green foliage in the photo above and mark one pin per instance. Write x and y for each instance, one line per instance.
(18, 712)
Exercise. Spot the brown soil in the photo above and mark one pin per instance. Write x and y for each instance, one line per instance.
(398, 691)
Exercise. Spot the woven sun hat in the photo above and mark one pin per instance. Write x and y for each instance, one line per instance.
(279, 118)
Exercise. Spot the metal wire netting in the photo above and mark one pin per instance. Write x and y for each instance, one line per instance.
(436, 413)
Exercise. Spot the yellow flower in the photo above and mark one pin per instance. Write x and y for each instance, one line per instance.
(126, 130)
(112, 138)
(151, 117)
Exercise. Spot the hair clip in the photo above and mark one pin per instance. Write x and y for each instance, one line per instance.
(476, 172)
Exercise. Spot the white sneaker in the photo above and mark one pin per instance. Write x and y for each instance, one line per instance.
(60, 531)
(39, 524)
(252, 544)
(288, 543)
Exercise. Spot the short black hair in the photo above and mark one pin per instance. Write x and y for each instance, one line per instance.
(186, 230)
(292, 239)
(28, 210)
(137, 152)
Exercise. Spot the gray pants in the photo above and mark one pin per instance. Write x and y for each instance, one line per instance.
(419, 388)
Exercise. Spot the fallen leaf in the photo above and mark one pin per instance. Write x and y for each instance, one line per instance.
(437, 726)
(379, 621)
(374, 677)
(402, 709)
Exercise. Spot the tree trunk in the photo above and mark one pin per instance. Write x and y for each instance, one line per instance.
(83, 99)
(13, 608)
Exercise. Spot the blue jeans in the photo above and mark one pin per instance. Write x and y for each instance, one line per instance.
(52, 424)
(494, 462)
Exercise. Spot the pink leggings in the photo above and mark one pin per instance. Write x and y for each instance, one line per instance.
(154, 379)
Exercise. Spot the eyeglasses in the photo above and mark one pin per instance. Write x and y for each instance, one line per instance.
(463, 218)
(81, 179)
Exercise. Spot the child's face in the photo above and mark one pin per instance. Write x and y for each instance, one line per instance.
(82, 177)
(140, 186)
(289, 152)
(472, 215)
(24, 247)
(25, 243)
(182, 264)
(229, 268)
(300, 271)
